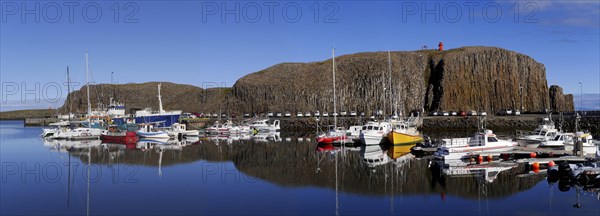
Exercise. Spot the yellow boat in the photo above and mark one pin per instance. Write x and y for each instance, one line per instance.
(402, 143)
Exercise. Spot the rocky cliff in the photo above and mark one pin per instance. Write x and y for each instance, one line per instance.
(468, 78)
(560, 101)
(138, 96)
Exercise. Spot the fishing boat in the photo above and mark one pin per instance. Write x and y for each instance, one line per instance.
(119, 135)
(375, 133)
(218, 128)
(180, 130)
(263, 125)
(558, 141)
(167, 118)
(481, 142)
(589, 145)
(404, 135)
(545, 131)
(148, 131)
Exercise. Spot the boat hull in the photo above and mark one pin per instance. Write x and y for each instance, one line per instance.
(127, 138)
(159, 135)
(368, 139)
(402, 139)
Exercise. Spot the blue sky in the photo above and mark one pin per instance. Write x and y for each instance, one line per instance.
(188, 42)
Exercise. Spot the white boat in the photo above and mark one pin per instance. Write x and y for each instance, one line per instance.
(481, 142)
(178, 130)
(354, 131)
(590, 146)
(544, 132)
(78, 133)
(148, 131)
(558, 141)
(263, 125)
(375, 133)
(54, 127)
(218, 128)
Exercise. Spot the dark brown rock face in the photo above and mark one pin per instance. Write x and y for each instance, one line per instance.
(560, 101)
(469, 78)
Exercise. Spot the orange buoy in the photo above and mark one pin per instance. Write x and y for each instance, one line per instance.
(532, 155)
(551, 164)
(535, 165)
(489, 158)
(480, 159)
(536, 170)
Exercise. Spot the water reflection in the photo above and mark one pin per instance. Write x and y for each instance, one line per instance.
(296, 161)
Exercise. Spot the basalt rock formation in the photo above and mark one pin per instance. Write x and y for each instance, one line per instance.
(468, 78)
(560, 101)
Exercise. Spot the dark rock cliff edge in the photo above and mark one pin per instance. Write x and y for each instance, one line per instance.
(467, 78)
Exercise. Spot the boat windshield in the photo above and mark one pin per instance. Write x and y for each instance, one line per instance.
(537, 132)
(558, 138)
(364, 128)
(375, 128)
(492, 139)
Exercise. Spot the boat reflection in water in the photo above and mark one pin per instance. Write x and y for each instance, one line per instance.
(375, 170)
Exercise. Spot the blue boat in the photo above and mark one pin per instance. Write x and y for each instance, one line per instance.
(166, 118)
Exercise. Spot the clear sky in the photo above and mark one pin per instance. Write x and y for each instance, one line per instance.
(199, 43)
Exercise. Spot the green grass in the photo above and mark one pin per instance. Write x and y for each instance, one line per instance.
(22, 114)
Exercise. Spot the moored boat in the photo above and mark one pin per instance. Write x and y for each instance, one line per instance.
(481, 142)
(374, 133)
(118, 135)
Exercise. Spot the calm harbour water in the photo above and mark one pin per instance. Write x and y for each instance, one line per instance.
(258, 176)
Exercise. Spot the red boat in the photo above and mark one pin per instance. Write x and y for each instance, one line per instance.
(328, 139)
(119, 137)
(114, 135)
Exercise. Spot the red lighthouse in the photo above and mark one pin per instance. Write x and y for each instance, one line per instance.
(441, 46)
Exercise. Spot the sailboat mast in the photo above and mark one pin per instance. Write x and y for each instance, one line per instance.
(390, 79)
(334, 99)
(160, 106)
(68, 92)
(87, 78)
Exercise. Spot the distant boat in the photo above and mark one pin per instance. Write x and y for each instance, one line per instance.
(167, 118)
(148, 131)
(481, 142)
(218, 128)
(54, 127)
(404, 136)
(375, 133)
(558, 141)
(264, 126)
(590, 146)
(114, 134)
(180, 130)
(544, 132)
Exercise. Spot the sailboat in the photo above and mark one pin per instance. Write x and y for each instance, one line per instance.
(335, 134)
(81, 132)
(162, 117)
